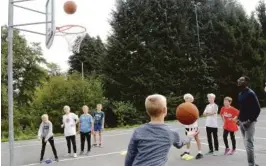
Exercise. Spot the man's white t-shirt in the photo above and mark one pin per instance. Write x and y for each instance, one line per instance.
(70, 124)
(193, 125)
(211, 121)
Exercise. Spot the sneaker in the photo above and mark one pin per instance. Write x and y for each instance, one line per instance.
(75, 155)
(232, 152)
(81, 153)
(199, 156)
(209, 153)
(100, 145)
(68, 155)
(187, 157)
(56, 159)
(215, 153)
(94, 145)
(184, 154)
(226, 151)
(41, 160)
(87, 153)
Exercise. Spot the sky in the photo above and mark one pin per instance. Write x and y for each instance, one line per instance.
(92, 14)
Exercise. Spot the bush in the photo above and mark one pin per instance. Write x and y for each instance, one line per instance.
(72, 91)
(126, 113)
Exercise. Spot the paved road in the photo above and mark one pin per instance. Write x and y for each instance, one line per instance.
(27, 152)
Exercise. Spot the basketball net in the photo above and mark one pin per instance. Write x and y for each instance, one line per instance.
(73, 34)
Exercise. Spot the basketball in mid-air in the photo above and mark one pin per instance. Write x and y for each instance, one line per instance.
(70, 7)
(187, 113)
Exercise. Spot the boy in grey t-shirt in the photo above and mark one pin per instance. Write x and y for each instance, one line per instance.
(151, 142)
(45, 134)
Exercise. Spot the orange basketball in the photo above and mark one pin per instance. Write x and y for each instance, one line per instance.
(187, 113)
(70, 7)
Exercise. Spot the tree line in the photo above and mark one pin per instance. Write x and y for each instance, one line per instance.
(153, 48)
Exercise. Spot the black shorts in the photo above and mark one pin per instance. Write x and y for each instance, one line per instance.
(195, 128)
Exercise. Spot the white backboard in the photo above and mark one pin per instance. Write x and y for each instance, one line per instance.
(50, 23)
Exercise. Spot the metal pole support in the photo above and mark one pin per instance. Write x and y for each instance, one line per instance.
(10, 84)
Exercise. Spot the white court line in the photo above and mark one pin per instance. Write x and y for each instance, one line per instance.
(82, 157)
(112, 153)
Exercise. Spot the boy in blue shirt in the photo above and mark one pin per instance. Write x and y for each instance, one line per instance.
(150, 143)
(98, 124)
(85, 128)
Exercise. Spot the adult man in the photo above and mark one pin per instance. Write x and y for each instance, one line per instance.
(249, 112)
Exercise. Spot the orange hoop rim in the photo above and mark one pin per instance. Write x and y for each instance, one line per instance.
(63, 29)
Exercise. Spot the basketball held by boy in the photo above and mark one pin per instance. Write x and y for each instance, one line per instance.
(150, 143)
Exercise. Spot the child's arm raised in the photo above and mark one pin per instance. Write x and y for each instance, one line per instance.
(132, 150)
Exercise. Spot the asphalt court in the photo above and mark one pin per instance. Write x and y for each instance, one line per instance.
(27, 153)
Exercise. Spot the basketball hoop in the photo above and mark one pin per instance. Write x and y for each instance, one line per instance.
(73, 34)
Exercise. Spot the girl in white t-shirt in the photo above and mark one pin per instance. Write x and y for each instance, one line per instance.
(211, 111)
(70, 121)
(189, 98)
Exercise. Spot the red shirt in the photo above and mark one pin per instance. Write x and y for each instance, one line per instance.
(228, 114)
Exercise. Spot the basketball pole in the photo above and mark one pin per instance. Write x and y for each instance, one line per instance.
(10, 83)
(11, 28)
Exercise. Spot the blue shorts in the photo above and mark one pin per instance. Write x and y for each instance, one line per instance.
(97, 127)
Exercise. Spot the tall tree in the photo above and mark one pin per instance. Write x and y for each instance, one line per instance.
(154, 49)
(28, 74)
(92, 51)
(261, 12)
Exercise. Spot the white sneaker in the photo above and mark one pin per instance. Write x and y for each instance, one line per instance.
(75, 155)
(215, 153)
(68, 155)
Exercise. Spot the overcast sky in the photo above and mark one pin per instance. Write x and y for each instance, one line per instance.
(91, 14)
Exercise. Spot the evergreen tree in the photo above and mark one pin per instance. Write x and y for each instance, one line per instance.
(92, 51)
(154, 49)
(261, 12)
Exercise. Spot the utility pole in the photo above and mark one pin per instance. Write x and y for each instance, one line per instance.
(82, 71)
(10, 83)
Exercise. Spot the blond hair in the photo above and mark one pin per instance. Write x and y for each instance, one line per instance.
(188, 97)
(155, 104)
(45, 116)
(66, 108)
(211, 95)
(85, 106)
(228, 99)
